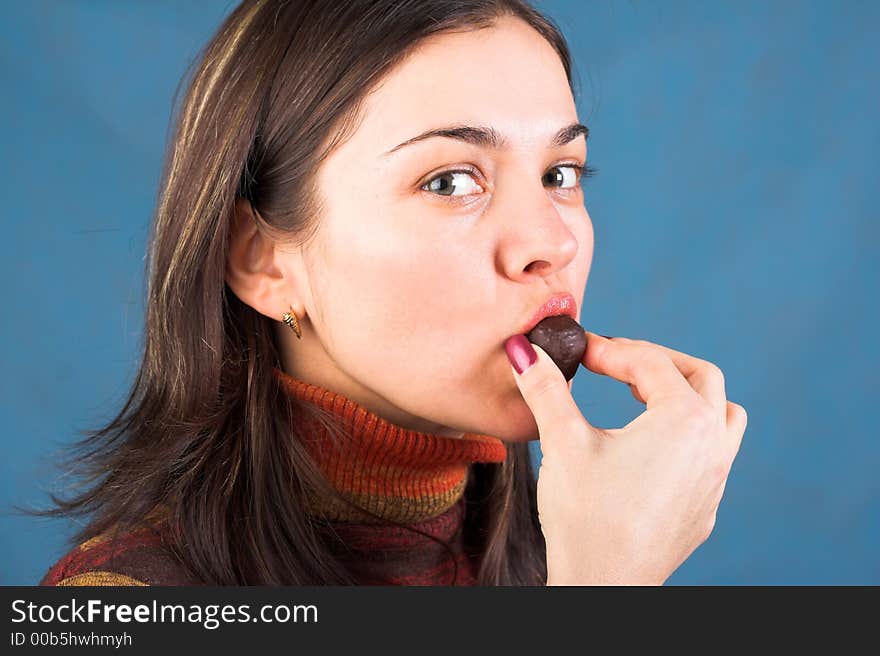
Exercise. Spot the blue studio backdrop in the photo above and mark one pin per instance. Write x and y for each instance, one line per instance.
(735, 216)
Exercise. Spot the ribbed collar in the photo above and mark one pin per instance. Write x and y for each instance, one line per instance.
(398, 474)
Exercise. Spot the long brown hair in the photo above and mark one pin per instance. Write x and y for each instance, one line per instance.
(206, 431)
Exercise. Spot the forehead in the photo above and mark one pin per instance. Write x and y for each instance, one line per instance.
(507, 77)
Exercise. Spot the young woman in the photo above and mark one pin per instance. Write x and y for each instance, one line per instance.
(364, 205)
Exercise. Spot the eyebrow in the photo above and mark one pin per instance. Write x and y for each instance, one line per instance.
(490, 138)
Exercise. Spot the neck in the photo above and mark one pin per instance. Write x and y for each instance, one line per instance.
(384, 471)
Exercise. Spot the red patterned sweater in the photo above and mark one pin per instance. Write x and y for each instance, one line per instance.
(397, 474)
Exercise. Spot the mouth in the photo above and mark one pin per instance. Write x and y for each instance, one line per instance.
(558, 304)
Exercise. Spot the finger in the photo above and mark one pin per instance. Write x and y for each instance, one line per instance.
(544, 389)
(737, 420)
(653, 374)
(703, 376)
(635, 393)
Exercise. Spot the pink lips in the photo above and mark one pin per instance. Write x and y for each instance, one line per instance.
(555, 305)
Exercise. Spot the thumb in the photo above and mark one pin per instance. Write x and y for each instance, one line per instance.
(544, 389)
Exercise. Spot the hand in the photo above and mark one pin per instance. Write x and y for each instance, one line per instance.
(629, 505)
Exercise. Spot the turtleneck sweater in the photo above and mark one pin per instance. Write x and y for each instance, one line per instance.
(394, 473)
(399, 520)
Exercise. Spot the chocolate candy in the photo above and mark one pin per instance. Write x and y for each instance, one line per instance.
(564, 341)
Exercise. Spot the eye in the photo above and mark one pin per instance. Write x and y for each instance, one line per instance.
(563, 176)
(451, 182)
(461, 182)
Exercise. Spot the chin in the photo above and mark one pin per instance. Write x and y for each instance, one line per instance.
(518, 425)
(519, 437)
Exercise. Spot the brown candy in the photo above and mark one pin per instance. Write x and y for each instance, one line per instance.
(564, 341)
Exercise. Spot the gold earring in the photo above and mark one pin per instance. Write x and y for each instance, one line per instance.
(290, 319)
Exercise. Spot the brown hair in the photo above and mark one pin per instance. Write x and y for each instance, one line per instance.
(206, 431)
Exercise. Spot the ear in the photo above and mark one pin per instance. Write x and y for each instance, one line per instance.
(256, 271)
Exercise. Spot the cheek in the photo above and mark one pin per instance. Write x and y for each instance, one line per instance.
(397, 305)
(580, 271)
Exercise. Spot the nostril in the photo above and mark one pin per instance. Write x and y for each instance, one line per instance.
(537, 265)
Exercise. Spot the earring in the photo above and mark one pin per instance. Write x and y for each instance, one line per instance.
(290, 319)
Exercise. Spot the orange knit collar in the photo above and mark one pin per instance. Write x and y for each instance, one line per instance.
(398, 474)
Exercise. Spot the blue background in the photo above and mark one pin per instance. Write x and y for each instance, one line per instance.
(735, 215)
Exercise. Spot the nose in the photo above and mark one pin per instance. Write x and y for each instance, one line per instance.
(536, 240)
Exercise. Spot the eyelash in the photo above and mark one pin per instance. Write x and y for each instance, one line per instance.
(584, 171)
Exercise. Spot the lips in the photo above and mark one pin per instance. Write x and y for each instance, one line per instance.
(556, 305)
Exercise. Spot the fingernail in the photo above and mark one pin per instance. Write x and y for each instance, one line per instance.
(520, 353)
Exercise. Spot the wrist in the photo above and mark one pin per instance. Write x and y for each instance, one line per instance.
(580, 577)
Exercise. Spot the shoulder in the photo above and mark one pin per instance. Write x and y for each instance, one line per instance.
(138, 556)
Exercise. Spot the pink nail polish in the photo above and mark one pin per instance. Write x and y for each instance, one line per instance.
(520, 353)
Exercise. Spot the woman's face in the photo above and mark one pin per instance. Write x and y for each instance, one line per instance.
(417, 275)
